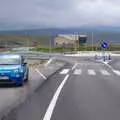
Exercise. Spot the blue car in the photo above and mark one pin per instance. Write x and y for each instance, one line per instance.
(13, 69)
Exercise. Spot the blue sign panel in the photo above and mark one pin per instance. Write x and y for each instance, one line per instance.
(104, 44)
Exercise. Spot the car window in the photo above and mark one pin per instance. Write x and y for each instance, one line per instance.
(8, 60)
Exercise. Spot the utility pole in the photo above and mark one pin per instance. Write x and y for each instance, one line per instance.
(50, 46)
(27, 41)
(86, 43)
(6, 45)
(75, 42)
(78, 41)
(92, 41)
(28, 44)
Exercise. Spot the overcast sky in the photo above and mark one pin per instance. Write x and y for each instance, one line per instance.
(22, 14)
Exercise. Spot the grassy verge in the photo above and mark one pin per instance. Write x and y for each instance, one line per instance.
(53, 49)
(86, 47)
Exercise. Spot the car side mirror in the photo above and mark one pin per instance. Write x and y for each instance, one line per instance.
(24, 63)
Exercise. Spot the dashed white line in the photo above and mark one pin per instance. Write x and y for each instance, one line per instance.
(52, 104)
(64, 71)
(91, 72)
(40, 74)
(77, 72)
(116, 72)
(104, 72)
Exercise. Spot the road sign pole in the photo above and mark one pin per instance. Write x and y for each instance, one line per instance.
(104, 45)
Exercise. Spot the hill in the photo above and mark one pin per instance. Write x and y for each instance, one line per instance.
(54, 31)
(20, 40)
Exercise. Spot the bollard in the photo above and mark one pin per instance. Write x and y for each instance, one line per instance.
(95, 57)
(104, 58)
(109, 57)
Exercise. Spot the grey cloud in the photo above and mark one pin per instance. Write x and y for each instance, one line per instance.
(15, 14)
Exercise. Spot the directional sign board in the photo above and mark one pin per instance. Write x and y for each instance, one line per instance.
(104, 44)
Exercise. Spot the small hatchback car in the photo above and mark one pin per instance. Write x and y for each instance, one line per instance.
(13, 69)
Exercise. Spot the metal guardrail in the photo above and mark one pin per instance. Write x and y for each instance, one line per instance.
(36, 55)
(31, 55)
(40, 58)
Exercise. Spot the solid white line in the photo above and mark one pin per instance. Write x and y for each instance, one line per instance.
(74, 66)
(64, 71)
(91, 72)
(49, 61)
(104, 72)
(40, 73)
(116, 72)
(109, 66)
(53, 102)
(77, 72)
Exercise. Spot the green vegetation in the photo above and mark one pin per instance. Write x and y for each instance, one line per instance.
(53, 49)
(8, 41)
(85, 47)
(24, 40)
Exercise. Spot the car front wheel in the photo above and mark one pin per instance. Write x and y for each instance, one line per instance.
(27, 78)
(20, 84)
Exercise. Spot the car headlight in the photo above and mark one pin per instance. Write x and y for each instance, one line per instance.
(21, 70)
(16, 71)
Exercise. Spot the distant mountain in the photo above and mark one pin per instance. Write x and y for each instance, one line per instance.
(61, 30)
(47, 31)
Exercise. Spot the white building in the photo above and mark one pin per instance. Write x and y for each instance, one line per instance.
(67, 39)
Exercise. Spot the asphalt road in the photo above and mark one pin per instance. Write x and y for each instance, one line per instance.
(115, 63)
(83, 90)
(10, 94)
(14, 99)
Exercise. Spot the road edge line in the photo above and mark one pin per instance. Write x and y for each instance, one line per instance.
(113, 70)
(107, 65)
(40, 74)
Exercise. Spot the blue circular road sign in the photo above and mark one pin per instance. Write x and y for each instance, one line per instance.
(104, 44)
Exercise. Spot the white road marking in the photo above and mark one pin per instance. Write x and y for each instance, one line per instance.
(52, 104)
(40, 73)
(74, 66)
(104, 72)
(64, 71)
(91, 72)
(77, 72)
(49, 61)
(107, 65)
(116, 72)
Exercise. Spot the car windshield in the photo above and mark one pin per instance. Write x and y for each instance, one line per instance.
(9, 60)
